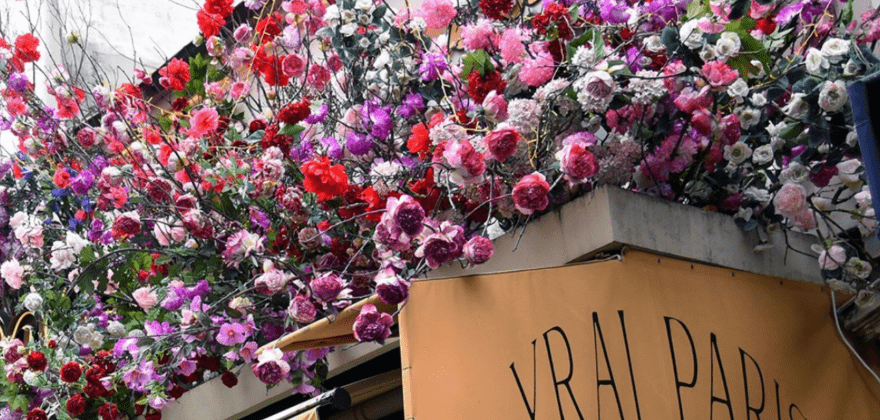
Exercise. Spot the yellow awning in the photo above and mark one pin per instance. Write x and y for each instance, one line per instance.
(329, 332)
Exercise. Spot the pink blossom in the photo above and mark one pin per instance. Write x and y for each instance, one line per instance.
(12, 272)
(442, 246)
(272, 280)
(502, 143)
(478, 36)
(390, 287)
(372, 325)
(239, 89)
(832, 258)
(530, 193)
(578, 163)
(145, 298)
(719, 74)
(791, 200)
(203, 122)
(231, 334)
(271, 367)
(512, 48)
(325, 288)
(495, 107)
(537, 71)
(301, 309)
(478, 250)
(437, 13)
(691, 100)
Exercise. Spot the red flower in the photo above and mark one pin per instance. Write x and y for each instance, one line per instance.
(209, 23)
(70, 372)
(229, 379)
(175, 75)
(26, 48)
(269, 27)
(108, 412)
(419, 142)
(502, 143)
(295, 112)
(37, 414)
(324, 180)
(496, 9)
(270, 67)
(76, 405)
(61, 178)
(219, 7)
(127, 224)
(36, 361)
(480, 86)
(530, 193)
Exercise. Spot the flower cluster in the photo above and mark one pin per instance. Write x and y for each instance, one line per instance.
(322, 151)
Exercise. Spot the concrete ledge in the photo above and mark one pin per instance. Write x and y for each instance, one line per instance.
(610, 218)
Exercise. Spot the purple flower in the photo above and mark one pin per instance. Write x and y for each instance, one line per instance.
(136, 379)
(259, 218)
(442, 246)
(358, 143)
(431, 67)
(390, 287)
(377, 119)
(325, 288)
(407, 214)
(155, 328)
(301, 309)
(372, 325)
(317, 116)
(269, 373)
(614, 11)
(248, 351)
(411, 105)
(334, 150)
(478, 250)
(82, 182)
(174, 299)
(17, 82)
(231, 334)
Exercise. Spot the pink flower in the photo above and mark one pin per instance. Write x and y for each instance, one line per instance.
(791, 200)
(512, 48)
(437, 13)
(478, 250)
(495, 107)
(578, 163)
(239, 89)
(537, 71)
(442, 246)
(12, 272)
(272, 280)
(478, 36)
(502, 143)
(719, 74)
(271, 367)
(805, 220)
(203, 122)
(390, 287)
(145, 298)
(240, 245)
(690, 100)
(301, 309)
(530, 193)
(832, 258)
(326, 287)
(372, 325)
(231, 334)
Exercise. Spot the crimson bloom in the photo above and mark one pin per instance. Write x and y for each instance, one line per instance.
(76, 405)
(323, 179)
(71, 372)
(36, 361)
(530, 193)
(175, 75)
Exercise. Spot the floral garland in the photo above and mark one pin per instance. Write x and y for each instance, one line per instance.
(326, 151)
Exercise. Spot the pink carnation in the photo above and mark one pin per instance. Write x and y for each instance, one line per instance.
(512, 48)
(537, 71)
(719, 74)
(145, 298)
(203, 122)
(478, 250)
(478, 36)
(437, 13)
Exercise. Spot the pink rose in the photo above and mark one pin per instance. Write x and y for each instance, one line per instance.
(719, 74)
(390, 287)
(530, 193)
(832, 258)
(372, 325)
(478, 250)
(203, 122)
(502, 143)
(145, 298)
(326, 287)
(12, 272)
(578, 163)
(301, 309)
(791, 200)
(599, 85)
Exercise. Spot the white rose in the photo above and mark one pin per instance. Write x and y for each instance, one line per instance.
(331, 15)
(815, 62)
(748, 117)
(737, 153)
(116, 329)
(691, 35)
(852, 138)
(835, 48)
(822, 203)
(726, 47)
(849, 171)
(833, 96)
(851, 68)
(30, 377)
(762, 154)
(758, 99)
(82, 334)
(858, 268)
(33, 302)
(348, 29)
(365, 5)
(794, 172)
(653, 44)
(796, 106)
(708, 53)
(738, 89)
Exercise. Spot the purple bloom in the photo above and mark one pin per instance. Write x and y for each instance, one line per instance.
(269, 372)
(259, 218)
(317, 116)
(372, 325)
(231, 334)
(788, 13)
(325, 288)
(17, 82)
(411, 105)
(334, 150)
(358, 144)
(125, 345)
(136, 379)
(248, 351)
(431, 67)
(154, 328)
(82, 182)
(174, 299)
(614, 11)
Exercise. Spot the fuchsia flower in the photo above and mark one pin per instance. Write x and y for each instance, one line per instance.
(231, 334)
(719, 74)
(372, 325)
(578, 163)
(271, 367)
(301, 309)
(502, 143)
(204, 122)
(530, 193)
(478, 250)
(390, 287)
(326, 287)
(442, 246)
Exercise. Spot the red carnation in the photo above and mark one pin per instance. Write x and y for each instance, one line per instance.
(324, 180)
(209, 23)
(70, 372)
(229, 379)
(175, 75)
(269, 27)
(419, 143)
(76, 405)
(219, 7)
(37, 414)
(108, 412)
(496, 9)
(36, 361)
(26, 48)
(480, 86)
(295, 112)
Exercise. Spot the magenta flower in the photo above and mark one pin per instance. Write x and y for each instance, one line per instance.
(231, 334)
(372, 325)
(325, 288)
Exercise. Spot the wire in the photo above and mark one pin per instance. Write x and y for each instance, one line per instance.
(840, 331)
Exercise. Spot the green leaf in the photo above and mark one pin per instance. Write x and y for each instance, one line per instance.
(753, 48)
(846, 16)
(165, 122)
(87, 255)
(598, 46)
(292, 130)
(476, 60)
(698, 9)
(20, 402)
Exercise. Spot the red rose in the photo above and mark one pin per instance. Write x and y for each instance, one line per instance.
(209, 23)
(229, 379)
(37, 414)
(76, 405)
(324, 180)
(127, 224)
(26, 48)
(530, 193)
(61, 178)
(70, 372)
(219, 7)
(108, 412)
(502, 143)
(268, 28)
(175, 75)
(36, 361)
(496, 9)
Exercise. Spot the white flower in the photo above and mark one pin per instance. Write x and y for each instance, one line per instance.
(863, 198)
(815, 62)
(728, 45)
(691, 35)
(116, 329)
(758, 194)
(835, 48)
(833, 96)
(851, 68)
(748, 117)
(653, 44)
(62, 256)
(737, 153)
(708, 53)
(348, 29)
(30, 377)
(83, 334)
(33, 302)
(763, 154)
(738, 89)
(822, 203)
(75, 242)
(796, 106)
(858, 268)
(366, 6)
(758, 99)
(794, 172)
(331, 15)
(849, 171)
(775, 130)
